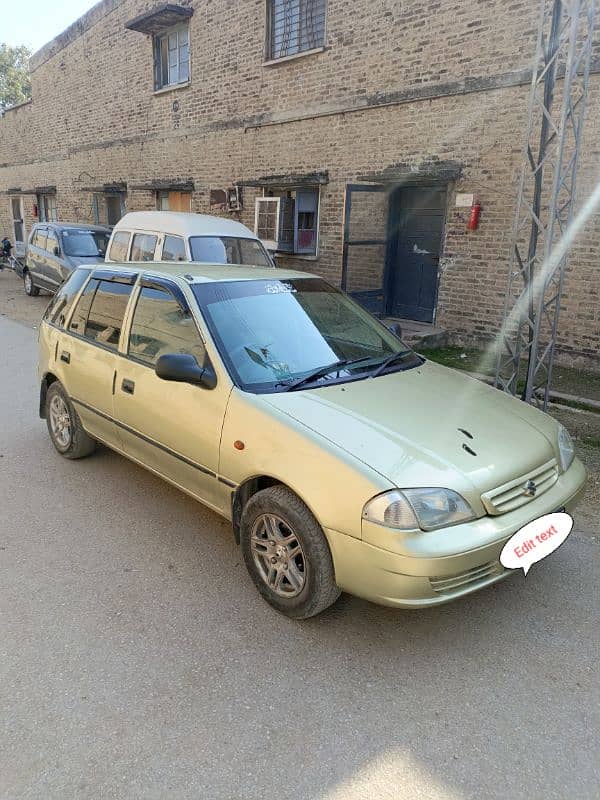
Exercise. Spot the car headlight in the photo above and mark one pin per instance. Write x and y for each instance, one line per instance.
(566, 448)
(408, 509)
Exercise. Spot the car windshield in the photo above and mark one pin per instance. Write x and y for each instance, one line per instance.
(81, 243)
(229, 250)
(274, 335)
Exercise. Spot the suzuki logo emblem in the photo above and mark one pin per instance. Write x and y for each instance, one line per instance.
(530, 489)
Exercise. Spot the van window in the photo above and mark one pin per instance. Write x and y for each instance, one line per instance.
(58, 310)
(173, 249)
(106, 313)
(144, 245)
(119, 246)
(228, 250)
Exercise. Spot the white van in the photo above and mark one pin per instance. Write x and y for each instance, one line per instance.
(177, 236)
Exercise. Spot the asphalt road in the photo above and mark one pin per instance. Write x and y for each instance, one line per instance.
(138, 661)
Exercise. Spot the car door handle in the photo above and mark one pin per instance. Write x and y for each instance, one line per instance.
(66, 357)
(128, 386)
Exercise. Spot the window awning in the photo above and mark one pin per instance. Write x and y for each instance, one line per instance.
(106, 188)
(285, 181)
(164, 186)
(159, 18)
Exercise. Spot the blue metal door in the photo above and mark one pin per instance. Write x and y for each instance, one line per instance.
(414, 258)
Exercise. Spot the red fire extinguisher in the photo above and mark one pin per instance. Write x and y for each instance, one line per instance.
(473, 223)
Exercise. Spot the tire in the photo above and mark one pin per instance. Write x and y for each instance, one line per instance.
(280, 535)
(31, 290)
(64, 425)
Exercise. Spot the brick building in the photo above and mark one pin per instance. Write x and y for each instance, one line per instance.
(352, 133)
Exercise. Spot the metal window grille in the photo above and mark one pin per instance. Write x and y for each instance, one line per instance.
(295, 26)
(172, 57)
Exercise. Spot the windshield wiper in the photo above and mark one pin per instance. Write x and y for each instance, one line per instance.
(322, 372)
(389, 361)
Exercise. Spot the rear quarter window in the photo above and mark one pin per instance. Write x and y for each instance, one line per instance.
(58, 311)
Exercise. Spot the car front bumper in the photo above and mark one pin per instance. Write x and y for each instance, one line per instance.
(412, 570)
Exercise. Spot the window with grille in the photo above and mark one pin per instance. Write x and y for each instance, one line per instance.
(289, 223)
(295, 26)
(172, 57)
(47, 208)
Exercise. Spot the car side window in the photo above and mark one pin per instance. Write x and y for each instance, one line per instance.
(51, 241)
(58, 310)
(119, 246)
(173, 249)
(160, 326)
(107, 309)
(82, 309)
(39, 240)
(144, 245)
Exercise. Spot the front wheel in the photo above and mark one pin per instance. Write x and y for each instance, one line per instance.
(31, 290)
(286, 554)
(64, 425)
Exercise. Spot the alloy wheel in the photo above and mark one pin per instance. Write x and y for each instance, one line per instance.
(60, 421)
(278, 555)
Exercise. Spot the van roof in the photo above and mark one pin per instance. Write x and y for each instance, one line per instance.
(183, 224)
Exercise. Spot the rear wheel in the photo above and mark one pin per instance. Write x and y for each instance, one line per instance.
(64, 425)
(30, 288)
(286, 554)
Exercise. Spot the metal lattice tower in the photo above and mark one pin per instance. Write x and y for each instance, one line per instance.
(545, 206)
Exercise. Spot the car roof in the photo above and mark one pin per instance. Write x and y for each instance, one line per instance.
(182, 224)
(73, 225)
(203, 273)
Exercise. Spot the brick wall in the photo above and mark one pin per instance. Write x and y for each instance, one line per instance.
(401, 89)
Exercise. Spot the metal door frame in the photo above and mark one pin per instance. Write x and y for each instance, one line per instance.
(351, 188)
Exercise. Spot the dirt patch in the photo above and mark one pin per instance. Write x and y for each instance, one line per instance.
(15, 304)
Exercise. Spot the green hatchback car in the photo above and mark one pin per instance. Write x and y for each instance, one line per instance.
(344, 460)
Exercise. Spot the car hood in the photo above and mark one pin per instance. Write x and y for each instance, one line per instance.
(428, 426)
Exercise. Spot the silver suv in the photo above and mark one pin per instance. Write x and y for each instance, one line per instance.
(55, 249)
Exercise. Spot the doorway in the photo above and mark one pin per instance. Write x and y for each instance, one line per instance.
(392, 245)
(416, 227)
(16, 205)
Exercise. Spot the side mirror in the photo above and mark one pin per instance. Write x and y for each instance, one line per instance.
(184, 368)
(396, 329)
(56, 250)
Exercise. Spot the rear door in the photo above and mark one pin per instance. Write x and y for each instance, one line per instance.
(36, 253)
(88, 351)
(173, 428)
(51, 261)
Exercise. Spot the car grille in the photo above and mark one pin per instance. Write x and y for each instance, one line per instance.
(452, 583)
(514, 494)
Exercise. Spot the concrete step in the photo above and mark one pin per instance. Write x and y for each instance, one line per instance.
(419, 334)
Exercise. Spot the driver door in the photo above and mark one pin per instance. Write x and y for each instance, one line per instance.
(172, 428)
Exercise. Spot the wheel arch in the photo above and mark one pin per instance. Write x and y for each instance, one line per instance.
(244, 492)
(47, 381)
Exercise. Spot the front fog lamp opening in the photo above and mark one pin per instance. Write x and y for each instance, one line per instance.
(414, 509)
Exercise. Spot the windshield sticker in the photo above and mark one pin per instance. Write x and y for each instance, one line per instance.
(536, 541)
(280, 288)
